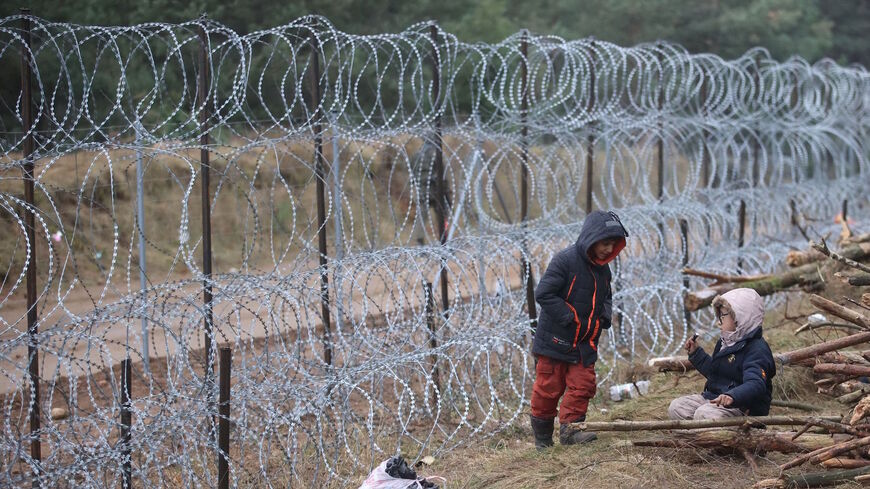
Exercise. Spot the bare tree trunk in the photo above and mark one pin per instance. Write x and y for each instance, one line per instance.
(815, 350)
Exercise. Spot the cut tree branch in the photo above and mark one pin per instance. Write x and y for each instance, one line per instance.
(687, 424)
(841, 312)
(820, 348)
(844, 258)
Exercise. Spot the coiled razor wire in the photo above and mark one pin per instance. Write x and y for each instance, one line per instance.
(409, 373)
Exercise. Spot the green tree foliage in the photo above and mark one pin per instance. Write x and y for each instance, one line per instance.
(809, 28)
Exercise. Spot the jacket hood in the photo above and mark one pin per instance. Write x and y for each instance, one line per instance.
(600, 225)
(748, 309)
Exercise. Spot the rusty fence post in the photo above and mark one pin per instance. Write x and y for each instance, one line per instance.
(30, 229)
(524, 187)
(320, 176)
(438, 169)
(126, 422)
(226, 361)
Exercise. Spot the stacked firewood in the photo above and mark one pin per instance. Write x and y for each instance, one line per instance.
(845, 448)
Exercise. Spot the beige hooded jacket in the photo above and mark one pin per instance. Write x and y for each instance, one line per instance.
(748, 309)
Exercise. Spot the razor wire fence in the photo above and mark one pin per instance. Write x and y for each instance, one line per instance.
(361, 219)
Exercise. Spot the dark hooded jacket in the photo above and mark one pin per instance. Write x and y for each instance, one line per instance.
(743, 371)
(575, 295)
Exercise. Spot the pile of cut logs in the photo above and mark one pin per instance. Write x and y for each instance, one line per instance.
(840, 444)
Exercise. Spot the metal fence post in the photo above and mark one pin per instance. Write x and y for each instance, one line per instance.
(741, 216)
(140, 218)
(205, 197)
(705, 151)
(126, 421)
(320, 176)
(226, 360)
(590, 138)
(684, 233)
(524, 184)
(30, 225)
(433, 339)
(440, 195)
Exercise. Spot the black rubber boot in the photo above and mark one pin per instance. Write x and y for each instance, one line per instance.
(543, 430)
(571, 434)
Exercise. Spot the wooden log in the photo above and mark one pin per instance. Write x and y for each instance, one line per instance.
(825, 453)
(697, 300)
(793, 405)
(854, 251)
(850, 315)
(841, 448)
(724, 279)
(842, 368)
(845, 463)
(861, 411)
(835, 357)
(821, 479)
(797, 258)
(671, 364)
(853, 396)
(820, 348)
(688, 424)
(738, 440)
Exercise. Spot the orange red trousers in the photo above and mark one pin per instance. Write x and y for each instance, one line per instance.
(553, 378)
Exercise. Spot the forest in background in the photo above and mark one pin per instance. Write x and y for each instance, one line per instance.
(813, 29)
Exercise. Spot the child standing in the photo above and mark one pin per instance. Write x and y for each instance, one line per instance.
(576, 305)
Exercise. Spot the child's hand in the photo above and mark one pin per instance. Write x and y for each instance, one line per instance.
(724, 400)
(691, 345)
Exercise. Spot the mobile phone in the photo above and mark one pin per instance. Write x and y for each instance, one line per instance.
(695, 337)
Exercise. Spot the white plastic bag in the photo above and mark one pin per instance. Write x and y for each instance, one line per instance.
(380, 479)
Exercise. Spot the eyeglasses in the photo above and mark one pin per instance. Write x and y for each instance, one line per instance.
(720, 315)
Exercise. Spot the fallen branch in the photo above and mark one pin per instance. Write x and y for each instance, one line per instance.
(820, 348)
(853, 396)
(843, 448)
(842, 369)
(854, 251)
(827, 452)
(847, 259)
(738, 440)
(793, 405)
(671, 364)
(841, 312)
(724, 279)
(811, 327)
(814, 479)
(845, 463)
(835, 357)
(688, 424)
(700, 299)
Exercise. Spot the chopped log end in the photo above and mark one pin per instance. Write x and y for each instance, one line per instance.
(699, 299)
(671, 364)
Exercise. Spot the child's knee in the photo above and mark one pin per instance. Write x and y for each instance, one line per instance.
(680, 409)
(708, 411)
